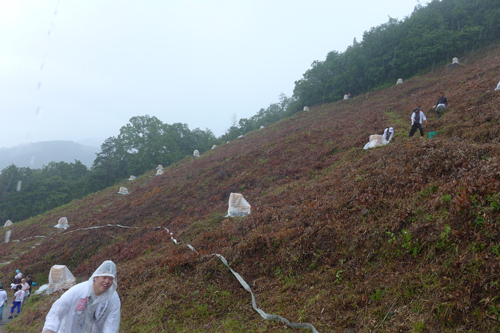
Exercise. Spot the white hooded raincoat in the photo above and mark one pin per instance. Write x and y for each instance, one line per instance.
(79, 310)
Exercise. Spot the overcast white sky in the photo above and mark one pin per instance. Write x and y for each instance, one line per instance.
(188, 61)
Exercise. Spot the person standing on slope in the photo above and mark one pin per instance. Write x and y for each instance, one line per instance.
(3, 300)
(417, 117)
(441, 104)
(92, 306)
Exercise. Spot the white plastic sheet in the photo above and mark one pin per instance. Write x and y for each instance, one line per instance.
(62, 223)
(123, 190)
(214, 146)
(238, 206)
(376, 141)
(60, 278)
(7, 236)
(159, 167)
(42, 289)
(196, 153)
(454, 60)
(306, 108)
(132, 177)
(399, 81)
(8, 223)
(498, 86)
(160, 172)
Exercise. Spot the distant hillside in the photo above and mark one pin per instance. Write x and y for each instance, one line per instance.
(37, 154)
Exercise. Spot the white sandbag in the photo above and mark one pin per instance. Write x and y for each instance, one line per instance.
(123, 190)
(306, 108)
(376, 140)
(214, 146)
(8, 223)
(262, 127)
(60, 278)
(399, 81)
(159, 167)
(196, 153)
(62, 223)
(160, 172)
(238, 206)
(346, 97)
(498, 86)
(132, 177)
(454, 61)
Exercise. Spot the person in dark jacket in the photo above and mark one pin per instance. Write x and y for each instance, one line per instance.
(441, 104)
(417, 117)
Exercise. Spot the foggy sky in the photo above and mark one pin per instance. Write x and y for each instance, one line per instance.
(194, 62)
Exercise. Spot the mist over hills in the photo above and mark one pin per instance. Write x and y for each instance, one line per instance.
(36, 155)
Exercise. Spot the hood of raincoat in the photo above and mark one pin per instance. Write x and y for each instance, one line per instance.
(107, 268)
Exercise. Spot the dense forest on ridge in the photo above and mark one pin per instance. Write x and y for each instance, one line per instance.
(424, 40)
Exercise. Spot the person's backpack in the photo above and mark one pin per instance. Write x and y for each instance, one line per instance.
(417, 117)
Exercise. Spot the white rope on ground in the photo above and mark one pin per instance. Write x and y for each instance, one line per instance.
(254, 303)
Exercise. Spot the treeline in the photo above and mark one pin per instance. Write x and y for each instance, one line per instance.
(140, 146)
(26, 192)
(431, 36)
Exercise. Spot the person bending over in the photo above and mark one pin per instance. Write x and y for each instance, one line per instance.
(90, 306)
(441, 104)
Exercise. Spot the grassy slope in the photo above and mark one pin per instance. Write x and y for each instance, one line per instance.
(396, 239)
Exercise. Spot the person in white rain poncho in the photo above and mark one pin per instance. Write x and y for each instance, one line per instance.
(89, 307)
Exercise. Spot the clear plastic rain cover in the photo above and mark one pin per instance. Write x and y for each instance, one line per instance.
(60, 278)
(123, 190)
(62, 223)
(238, 206)
(376, 140)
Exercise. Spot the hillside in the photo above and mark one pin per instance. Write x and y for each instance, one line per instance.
(403, 238)
(37, 154)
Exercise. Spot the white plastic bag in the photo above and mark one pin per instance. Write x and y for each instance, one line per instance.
(123, 190)
(60, 278)
(62, 223)
(238, 206)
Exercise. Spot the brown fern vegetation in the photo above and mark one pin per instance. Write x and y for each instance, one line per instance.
(403, 238)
